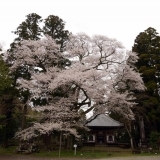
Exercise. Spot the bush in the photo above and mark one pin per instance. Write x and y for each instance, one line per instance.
(154, 140)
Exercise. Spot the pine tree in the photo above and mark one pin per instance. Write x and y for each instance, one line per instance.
(5, 80)
(54, 27)
(8, 105)
(28, 30)
(147, 45)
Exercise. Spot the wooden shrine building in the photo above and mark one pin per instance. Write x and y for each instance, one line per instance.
(103, 130)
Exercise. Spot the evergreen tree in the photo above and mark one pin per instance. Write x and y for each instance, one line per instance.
(8, 106)
(147, 45)
(4, 76)
(54, 27)
(28, 29)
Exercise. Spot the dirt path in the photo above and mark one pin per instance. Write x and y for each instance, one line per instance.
(30, 157)
(134, 158)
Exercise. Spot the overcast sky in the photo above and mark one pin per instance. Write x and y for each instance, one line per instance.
(120, 19)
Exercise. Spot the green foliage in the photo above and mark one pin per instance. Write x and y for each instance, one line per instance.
(151, 102)
(5, 80)
(9, 116)
(124, 137)
(54, 27)
(149, 72)
(8, 102)
(151, 85)
(154, 139)
(29, 29)
(147, 45)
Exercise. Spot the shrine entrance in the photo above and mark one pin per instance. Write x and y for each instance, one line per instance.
(100, 139)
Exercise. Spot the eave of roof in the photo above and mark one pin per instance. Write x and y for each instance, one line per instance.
(102, 120)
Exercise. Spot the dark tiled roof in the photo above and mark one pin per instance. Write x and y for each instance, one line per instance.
(102, 120)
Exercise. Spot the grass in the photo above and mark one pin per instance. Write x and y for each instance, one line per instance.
(85, 152)
(7, 151)
(79, 154)
(89, 152)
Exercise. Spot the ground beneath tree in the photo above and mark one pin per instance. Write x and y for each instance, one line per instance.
(30, 157)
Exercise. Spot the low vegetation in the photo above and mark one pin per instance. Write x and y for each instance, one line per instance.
(85, 152)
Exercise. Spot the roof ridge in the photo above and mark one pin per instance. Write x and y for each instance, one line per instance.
(103, 120)
(91, 118)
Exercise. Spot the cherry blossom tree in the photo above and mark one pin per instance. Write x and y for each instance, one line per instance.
(101, 76)
(39, 63)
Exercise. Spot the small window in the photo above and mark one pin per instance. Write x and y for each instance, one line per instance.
(90, 138)
(110, 138)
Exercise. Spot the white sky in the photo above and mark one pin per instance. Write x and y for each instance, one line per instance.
(120, 19)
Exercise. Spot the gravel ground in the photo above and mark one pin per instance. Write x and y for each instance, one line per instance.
(134, 158)
(29, 157)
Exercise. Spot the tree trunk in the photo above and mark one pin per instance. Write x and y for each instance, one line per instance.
(5, 142)
(8, 119)
(60, 143)
(47, 142)
(24, 117)
(142, 131)
(131, 141)
(69, 142)
(129, 130)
